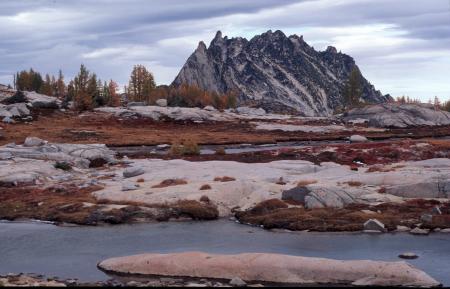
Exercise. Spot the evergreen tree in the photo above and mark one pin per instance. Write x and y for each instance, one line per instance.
(46, 87)
(141, 84)
(60, 85)
(437, 103)
(114, 98)
(82, 98)
(36, 81)
(352, 89)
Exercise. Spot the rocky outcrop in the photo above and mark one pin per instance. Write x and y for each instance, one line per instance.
(331, 185)
(79, 155)
(275, 72)
(195, 114)
(17, 105)
(271, 268)
(37, 100)
(398, 115)
(15, 110)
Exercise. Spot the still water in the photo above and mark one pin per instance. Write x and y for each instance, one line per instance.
(73, 252)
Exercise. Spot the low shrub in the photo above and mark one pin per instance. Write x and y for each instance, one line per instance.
(281, 181)
(205, 199)
(169, 183)
(190, 147)
(220, 151)
(354, 184)
(224, 179)
(187, 147)
(304, 183)
(268, 206)
(196, 210)
(205, 187)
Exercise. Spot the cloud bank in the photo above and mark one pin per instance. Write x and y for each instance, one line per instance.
(402, 47)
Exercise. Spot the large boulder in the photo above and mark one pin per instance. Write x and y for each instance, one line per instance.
(17, 97)
(374, 225)
(161, 102)
(297, 194)
(250, 111)
(133, 172)
(357, 138)
(78, 155)
(33, 142)
(21, 178)
(37, 100)
(136, 103)
(270, 268)
(399, 115)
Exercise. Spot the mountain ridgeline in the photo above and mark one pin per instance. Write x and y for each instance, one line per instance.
(278, 73)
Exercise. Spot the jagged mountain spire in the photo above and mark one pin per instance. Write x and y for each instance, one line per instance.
(276, 72)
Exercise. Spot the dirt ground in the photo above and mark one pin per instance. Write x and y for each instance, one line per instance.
(67, 127)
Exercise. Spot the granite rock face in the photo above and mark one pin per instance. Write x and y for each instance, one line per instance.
(275, 72)
(398, 115)
(274, 268)
(78, 155)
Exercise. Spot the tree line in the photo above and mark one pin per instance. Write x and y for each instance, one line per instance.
(87, 91)
(352, 93)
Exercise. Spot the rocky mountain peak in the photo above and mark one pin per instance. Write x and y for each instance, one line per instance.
(275, 72)
(331, 49)
(201, 47)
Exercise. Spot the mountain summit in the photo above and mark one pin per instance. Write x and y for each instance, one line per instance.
(276, 72)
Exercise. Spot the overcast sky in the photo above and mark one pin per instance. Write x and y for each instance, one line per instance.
(401, 46)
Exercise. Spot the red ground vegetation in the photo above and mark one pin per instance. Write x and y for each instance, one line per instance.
(275, 214)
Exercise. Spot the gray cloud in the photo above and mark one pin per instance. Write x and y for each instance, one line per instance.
(402, 46)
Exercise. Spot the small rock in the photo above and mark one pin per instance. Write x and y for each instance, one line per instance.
(168, 280)
(33, 142)
(132, 284)
(237, 282)
(131, 104)
(6, 156)
(127, 186)
(209, 108)
(402, 229)
(374, 225)
(162, 146)
(133, 172)
(436, 211)
(195, 285)
(408, 256)
(419, 231)
(7, 119)
(161, 102)
(427, 218)
(14, 111)
(358, 138)
(369, 212)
